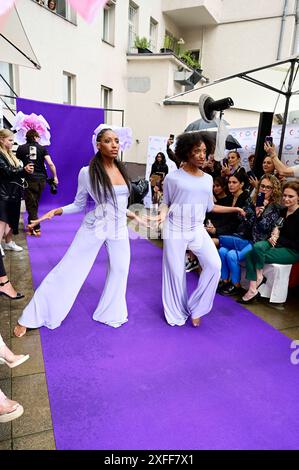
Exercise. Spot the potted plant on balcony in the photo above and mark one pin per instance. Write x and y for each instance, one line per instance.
(167, 45)
(189, 60)
(142, 45)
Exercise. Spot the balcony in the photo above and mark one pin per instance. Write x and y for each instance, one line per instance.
(193, 13)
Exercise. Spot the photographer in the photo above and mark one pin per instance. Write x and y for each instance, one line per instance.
(35, 153)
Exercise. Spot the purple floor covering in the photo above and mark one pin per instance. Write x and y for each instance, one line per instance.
(229, 384)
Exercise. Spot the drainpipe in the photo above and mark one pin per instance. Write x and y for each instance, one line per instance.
(296, 38)
(282, 26)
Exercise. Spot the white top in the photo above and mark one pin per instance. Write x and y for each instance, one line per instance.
(107, 216)
(188, 197)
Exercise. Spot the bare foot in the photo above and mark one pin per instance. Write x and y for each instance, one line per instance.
(7, 288)
(19, 331)
(196, 321)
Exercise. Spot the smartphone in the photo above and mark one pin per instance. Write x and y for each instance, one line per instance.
(260, 199)
(250, 174)
(269, 140)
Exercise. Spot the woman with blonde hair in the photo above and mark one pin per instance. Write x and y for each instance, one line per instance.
(11, 174)
(262, 213)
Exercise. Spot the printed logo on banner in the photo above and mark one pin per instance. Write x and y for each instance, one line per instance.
(247, 139)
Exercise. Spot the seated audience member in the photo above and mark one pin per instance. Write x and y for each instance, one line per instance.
(268, 168)
(281, 248)
(251, 159)
(261, 217)
(234, 167)
(218, 224)
(212, 167)
(282, 169)
(237, 198)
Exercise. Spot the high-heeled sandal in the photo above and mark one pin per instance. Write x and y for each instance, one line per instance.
(18, 296)
(16, 363)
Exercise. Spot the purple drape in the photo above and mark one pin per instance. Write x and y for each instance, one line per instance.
(71, 130)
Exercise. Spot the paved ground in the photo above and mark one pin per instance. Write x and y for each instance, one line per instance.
(27, 383)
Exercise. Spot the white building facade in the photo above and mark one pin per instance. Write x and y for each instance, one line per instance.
(97, 65)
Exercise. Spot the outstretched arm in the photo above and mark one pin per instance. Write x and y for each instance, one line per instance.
(47, 216)
(227, 209)
(282, 169)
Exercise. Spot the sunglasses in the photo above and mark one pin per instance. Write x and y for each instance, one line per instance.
(265, 187)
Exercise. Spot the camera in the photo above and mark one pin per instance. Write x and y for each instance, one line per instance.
(53, 186)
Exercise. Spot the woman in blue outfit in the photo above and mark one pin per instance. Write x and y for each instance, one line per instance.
(257, 226)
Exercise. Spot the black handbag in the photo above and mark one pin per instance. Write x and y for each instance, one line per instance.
(139, 190)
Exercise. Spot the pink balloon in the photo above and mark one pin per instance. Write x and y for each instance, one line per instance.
(88, 9)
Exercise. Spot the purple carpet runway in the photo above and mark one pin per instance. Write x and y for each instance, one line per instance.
(228, 385)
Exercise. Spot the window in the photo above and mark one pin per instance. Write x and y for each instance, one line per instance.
(109, 21)
(106, 101)
(64, 9)
(195, 55)
(69, 88)
(153, 34)
(133, 26)
(61, 7)
(7, 82)
(173, 42)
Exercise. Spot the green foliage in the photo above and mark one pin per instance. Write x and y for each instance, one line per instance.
(189, 60)
(141, 43)
(168, 42)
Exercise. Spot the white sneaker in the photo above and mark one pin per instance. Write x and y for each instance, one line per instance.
(12, 246)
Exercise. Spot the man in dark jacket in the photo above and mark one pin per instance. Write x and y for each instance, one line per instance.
(33, 152)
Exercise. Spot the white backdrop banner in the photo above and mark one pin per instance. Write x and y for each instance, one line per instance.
(247, 137)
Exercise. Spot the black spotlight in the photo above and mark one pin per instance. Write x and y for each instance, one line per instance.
(208, 107)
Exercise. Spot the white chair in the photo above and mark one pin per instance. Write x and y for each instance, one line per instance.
(276, 287)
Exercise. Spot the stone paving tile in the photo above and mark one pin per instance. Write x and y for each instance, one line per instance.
(31, 391)
(28, 344)
(5, 321)
(5, 372)
(292, 333)
(40, 441)
(279, 317)
(5, 428)
(6, 445)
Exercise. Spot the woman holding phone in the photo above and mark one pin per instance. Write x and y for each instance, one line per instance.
(262, 213)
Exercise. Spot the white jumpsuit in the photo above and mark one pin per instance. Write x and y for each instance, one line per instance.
(106, 224)
(189, 198)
